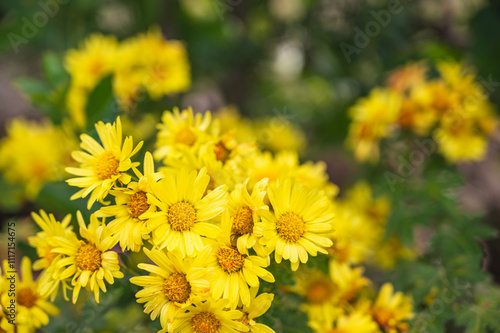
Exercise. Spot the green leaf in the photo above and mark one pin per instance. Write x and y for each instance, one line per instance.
(480, 318)
(32, 88)
(100, 103)
(54, 70)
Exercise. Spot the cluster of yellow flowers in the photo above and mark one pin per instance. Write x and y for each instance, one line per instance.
(162, 69)
(32, 154)
(208, 221)
(340, 301)
(453, 109)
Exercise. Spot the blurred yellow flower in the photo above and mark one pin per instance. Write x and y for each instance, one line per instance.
(373, 119)
(33, 154)
(392, 310)
(87, 65)
(32, 310)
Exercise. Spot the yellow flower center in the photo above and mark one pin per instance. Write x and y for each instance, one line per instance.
(185, 136)
(243, 221)
(319, 292)
(107, 165)
(26, 297)
(290, 227)
(181, 216)
(177, 288)
(88, 258)
(138, 204)
(230, 259)
(221, 152)
(205, 322)
(383, 317)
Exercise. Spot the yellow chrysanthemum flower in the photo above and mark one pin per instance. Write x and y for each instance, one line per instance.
(182, 130)
(93, 60)
(104, 164)
(185, 210)
(87, 66)
(172, 284)
(33, 310)
(165, 66)
(32, 154)
(354, 237)
(234, 271)
(89, 262)
(460, 143)
(299, 224)
(163, 70)
(131, 203)
(209, 316)
(244, 214)
(392, 310)
(325, 295)
(44, 242)
(258, 306)
(372, 119)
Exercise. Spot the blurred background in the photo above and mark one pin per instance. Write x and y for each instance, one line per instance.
(303, 61)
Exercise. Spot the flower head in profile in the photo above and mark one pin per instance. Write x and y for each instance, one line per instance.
(131, 203)
(44, 243)
(234, 272)
(101, 166)
(33, 310)
(244, 213)
(209, 317)
(299, 223)
(185, 211)
(91, 261)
